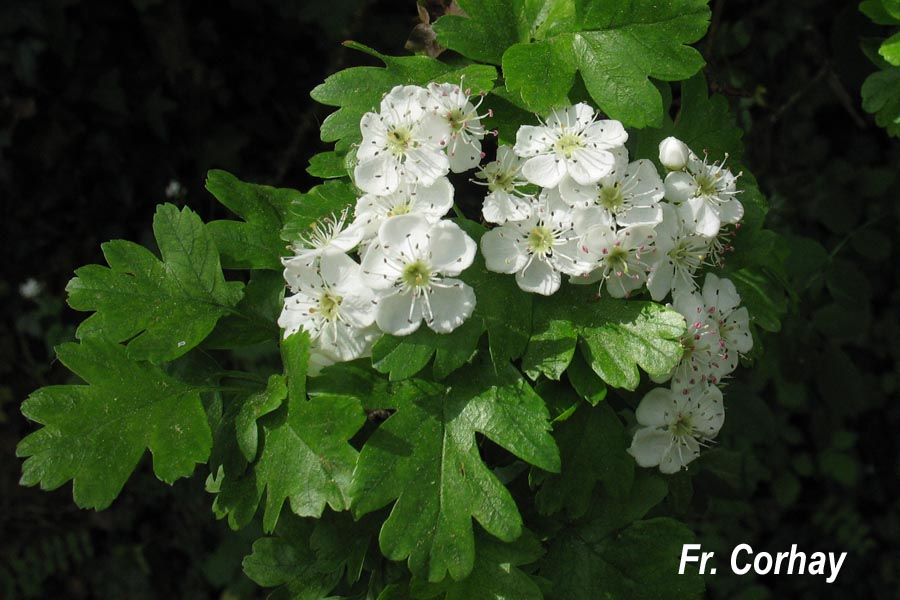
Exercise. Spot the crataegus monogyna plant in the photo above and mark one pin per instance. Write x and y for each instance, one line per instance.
(459, 409)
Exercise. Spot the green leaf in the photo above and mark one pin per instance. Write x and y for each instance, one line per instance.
(426, 458)
(255, 318)
(327, 165)
(763, 298)
(252, 409)
(485, 33)
(592, 447)
(359, 90)
(881, 97)
(890, 49)
(305, 458)
(323, 201)
(287, 562)
(612, 555)
(616, 336)
(542, 72)
(588, 385)
(95, 434)
(164, 308)
(254, 243)
(495, 575)
(878, 12)
(403, 357)
(616, 46)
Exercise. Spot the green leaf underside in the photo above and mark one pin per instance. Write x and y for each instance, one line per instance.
(496, 575)
(288, 563)
(616, 336)
(614, 555)
(615, 45)
(881, 97)
(425, 457)
(359, 90)
(95, 434)
(168, 306)
(305, 458)
(253, 243)
(592, 446)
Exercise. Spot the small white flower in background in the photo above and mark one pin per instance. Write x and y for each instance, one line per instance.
(325, 235)
(451, 103)
(572, 142)
(722, 303)
(432, 201)
(708, 192)
(618, 257)
(538, 248)
(679, 253)
(673, 154)
(630, 193)
(174, 189)
(404, 141)
(503, 178)
(332, 303)
(705, 358)
(412, 264)
(30, 289)
(675, 426)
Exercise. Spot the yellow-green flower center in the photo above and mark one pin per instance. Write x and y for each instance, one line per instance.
(457, 119)
(610, 197)
(706, 185)
(617, 259)
(540, 239)
(502, 180)
(567, 144)
(402, 208)
(416, 274)
(329, 305)
(682, 427)
(398, 140)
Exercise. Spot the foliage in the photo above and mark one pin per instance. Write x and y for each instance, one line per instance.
(520, 418)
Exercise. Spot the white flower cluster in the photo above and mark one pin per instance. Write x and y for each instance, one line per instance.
(409, 255)
(599, 217)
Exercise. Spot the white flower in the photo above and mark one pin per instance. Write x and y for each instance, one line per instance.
(409, 263)
(31, 288)
(675, 426)
(332, 303)
(325, 235)
(405, 141)
(705, 358)
(708, 193)
(432, 201)
(537, 248)
(679, 253)
(721, 300)
(572, 142)
(618, 258)
(630, 193)
(503, 179)
(673, 154)
(452, 104)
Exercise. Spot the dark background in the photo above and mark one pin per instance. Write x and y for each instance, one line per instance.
(105, 103)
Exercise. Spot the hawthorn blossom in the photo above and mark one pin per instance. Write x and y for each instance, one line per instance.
(411, 264)
(328, 234)
(404, 141)
(675, 425)
(331, 302)
(680, 251)
(708, 191)
(630, 193)
(572, 142)
(503, 178)
(432, 201)
(722, 301)
(452, 104)
(618, 257)
(705, 358)
(538, 248)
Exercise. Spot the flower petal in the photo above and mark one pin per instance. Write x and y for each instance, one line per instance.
(399, 314)
(452, 250)
(379, 175)
(649, 445)
(502, 251)
(657, 408)
(539, 277)
(588, 165)
(532, 140)
(451, 305)
(703, 217)
(680, 186)
(545, 170)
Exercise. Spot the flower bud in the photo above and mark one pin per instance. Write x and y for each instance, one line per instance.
(673, 154)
